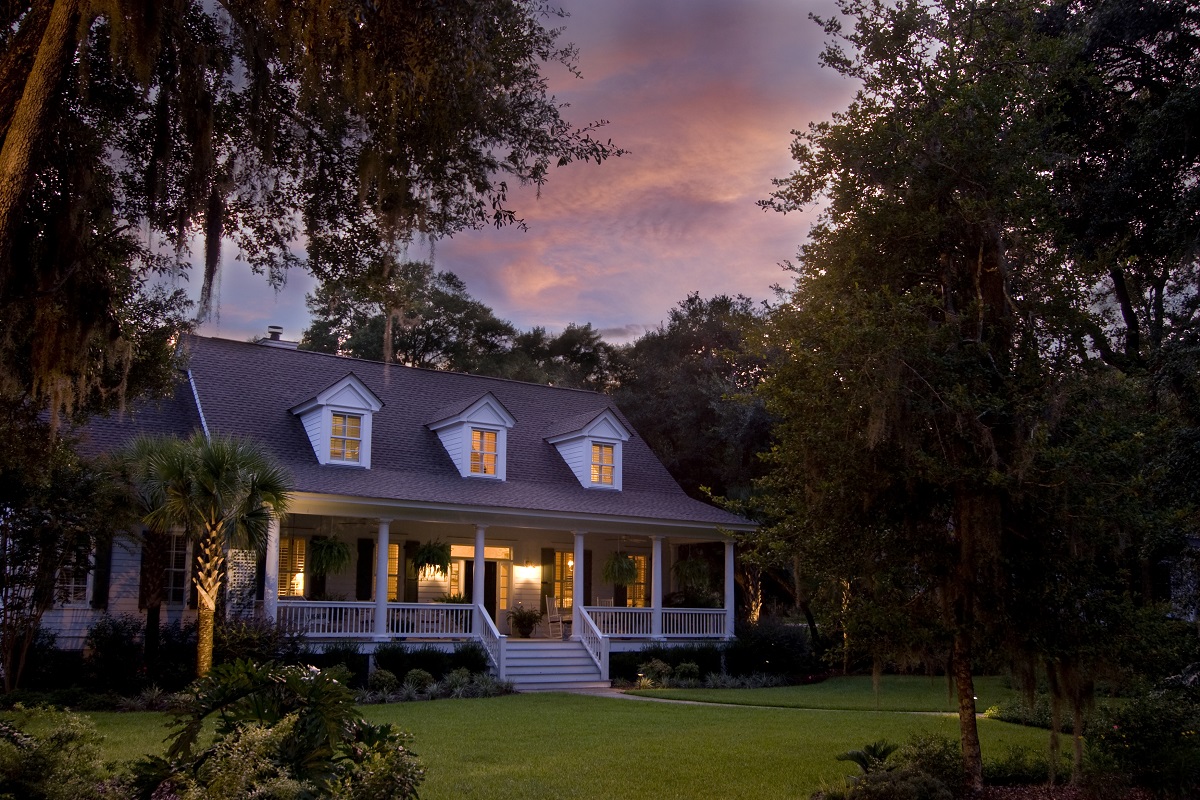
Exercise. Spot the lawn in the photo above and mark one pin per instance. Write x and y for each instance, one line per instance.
(572, 746)
(853, 693)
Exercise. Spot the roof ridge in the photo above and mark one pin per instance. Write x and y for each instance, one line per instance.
(386, 365)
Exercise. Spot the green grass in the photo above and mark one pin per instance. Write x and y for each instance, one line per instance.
(853, 693)
(571, 746)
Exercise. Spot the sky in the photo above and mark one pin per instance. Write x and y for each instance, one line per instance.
(704, 95)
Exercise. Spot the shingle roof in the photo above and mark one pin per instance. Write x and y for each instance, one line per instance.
(247, 390)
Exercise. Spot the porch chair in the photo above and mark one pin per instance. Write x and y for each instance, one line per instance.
(555, 618)
(604, 601)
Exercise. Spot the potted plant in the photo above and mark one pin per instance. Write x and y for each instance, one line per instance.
(523, 620)
(432, 558)
(692, 576)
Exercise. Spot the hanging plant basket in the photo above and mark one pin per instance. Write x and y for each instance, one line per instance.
(692, 575)
(433, 558)
(620, 569)
(328, 556)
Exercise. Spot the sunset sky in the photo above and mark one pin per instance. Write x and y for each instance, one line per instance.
(704, 94)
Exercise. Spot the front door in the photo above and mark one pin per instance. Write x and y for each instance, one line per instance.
(489, 584)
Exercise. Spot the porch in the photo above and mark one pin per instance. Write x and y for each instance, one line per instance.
(395, 602)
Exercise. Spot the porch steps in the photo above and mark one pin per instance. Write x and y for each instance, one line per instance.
(540, 665)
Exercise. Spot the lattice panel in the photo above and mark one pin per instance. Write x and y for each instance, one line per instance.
(241, 568)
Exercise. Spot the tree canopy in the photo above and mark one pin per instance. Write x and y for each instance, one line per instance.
(133, 130)
(972, 423)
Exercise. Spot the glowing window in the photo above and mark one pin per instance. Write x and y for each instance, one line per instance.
(291, 566)
(564, 578)
(346, 438)
(602, 464)
(483, 452)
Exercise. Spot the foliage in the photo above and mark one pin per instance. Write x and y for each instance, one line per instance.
(257, 122)
(771, 647)
(933, 755)
(692, 575)
(344, 660)
(523, 619)
(688, 388)
(280, 726)
(432, 557)
(872, 757)
(63, 761)
(1152, 741)
(328, 556)
(256, 638)
(220, 490)
(114, 654)
(901, 784)
(382, 680)
(655, 671)
(970, 445)
(55, 508)
(418, 680)
(620, 569)
(171, 667)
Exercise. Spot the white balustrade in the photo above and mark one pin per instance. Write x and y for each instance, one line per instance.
(694, 623)
(493, 641)
(327, 619)
(594, 642)
(621, 621)
(430, 620)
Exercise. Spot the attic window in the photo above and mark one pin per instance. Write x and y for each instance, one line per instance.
(602, 463)
(346, 439)
(483, 452)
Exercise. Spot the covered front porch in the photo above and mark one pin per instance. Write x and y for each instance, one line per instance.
(382, 597)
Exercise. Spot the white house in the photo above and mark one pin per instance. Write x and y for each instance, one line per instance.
(538, 484)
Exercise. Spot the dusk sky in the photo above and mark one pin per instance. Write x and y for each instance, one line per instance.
(704, 94)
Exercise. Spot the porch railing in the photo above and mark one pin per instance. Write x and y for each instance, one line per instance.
(693, 622)
(621, 621)
(327, 620)
(493, 641)
(431, 620)
(594, 642)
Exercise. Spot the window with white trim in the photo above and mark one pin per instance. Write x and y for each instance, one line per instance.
(73, 580)
(346, 437)
(175, 577)
(603, 463)
(483, 452)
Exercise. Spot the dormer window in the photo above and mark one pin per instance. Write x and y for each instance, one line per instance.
(602, 463)
(475, 436)
(483, 452)
(591, 446)
(344, 444)
(338, 422)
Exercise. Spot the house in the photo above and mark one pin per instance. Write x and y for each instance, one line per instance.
(532, 487)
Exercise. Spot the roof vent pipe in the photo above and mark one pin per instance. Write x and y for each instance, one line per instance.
(274, 332)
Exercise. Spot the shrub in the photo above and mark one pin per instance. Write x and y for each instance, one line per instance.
(773, 648)
(175, 665)
(281, 732)
(655, 671)
(687, 671)
(383, 680)
(418, 680)
(430, 659)
(470, 656)
(114, 654)
(256, 639)
(1020, 766)
(64, 762)
(900, 784)
(935, 755)
(1153, 741)
(48, 667)
(625, 666)
(346, 654)
(1018, 710)
(457, 683)
(393, 657)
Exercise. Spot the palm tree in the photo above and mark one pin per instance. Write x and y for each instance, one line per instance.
(219, 490)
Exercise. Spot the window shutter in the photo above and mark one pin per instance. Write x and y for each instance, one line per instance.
(366, 569)
(587, 579)
(410, 571)
(102, 573)
(547, 575)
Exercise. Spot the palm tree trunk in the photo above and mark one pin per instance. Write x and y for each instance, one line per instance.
(208, 583)
(204, 641)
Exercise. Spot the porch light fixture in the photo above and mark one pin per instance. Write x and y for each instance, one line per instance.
(571, 562)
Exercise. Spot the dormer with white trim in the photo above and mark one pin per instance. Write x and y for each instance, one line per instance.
(338, 422)
(475, 436)
(593, 450)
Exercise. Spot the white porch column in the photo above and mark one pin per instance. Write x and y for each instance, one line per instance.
(381, 579)
(480, 570)
(577, 598)
(271, 571)
(729, 595)
(656, 587)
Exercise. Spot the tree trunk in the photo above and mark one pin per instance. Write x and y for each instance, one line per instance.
(30, 117)
(208, 584)
(968, 725)
(204, 641)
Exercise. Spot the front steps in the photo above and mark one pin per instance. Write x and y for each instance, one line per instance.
(541, 665)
